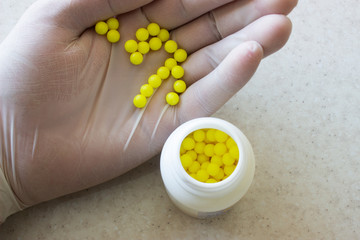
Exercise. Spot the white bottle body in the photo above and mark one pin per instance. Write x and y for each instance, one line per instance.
(199, 199)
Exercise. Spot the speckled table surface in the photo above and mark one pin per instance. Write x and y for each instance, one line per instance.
(301, 112)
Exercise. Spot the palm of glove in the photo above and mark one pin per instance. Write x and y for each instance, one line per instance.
(66, 96)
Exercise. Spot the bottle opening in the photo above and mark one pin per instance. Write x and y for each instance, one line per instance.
(209, 155)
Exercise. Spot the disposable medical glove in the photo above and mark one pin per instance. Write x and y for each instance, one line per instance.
(67, 121)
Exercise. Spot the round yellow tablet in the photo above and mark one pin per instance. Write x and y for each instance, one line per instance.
(180, 86)
(180, 55)
(143, 47)
(113, 23)
(113, 36)
(177, 72)
(136, 58)
(131, 46)
(139, 101)
(153, 29)
(142, 34)
(101, 28)
(154, 81)
(172, 98)
(164, 35)
(155, 43)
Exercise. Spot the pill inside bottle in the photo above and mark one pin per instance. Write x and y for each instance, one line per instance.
(213, 150)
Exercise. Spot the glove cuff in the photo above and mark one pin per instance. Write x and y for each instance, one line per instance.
(8, 200)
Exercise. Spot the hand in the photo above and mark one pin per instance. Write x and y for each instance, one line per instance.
(67, 117)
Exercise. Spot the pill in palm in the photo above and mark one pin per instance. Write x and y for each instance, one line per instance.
(136, 58)
(146, 90)
(143, 47)
(153, 29)
(113, 23)
(179, 86)
(163, 35)
(172, 98)
(177, 72)
(139, 101)
(163, 72)
(155, 43)
(180, 55)
(142, 34)
(170, 63)
(131, 46)
(101, 28)
(170, 46)
(154, 81)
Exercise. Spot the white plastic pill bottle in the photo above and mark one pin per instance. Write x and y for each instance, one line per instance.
(198, 199)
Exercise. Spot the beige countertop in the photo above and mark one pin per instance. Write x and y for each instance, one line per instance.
(301, 112)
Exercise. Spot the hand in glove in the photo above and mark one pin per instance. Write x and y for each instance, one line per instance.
(66, 112)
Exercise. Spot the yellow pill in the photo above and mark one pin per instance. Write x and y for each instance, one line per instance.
(180, 55)
(170, 63)
(213, 169)
(153, 29)
(188, 143)
(136, 58)
(204, 165)
(202, 158)
(217, 160)
(101, 28)
(179, 86)
(193, 154)
(234, 152)
(170, 46)
(142, 34)
(113, 36)
(220, 175)
(163, 72)
(182, 150)
(230, 142)
(220, 149)
(211, 180)
(172, 98)
(163, 35)
(229, 169)
(202, 175)
(210, 135)
(193, 175)
(154, 81)
(186, 161)
(146, 90)
(155, 43)
(199, 135)
(209, 150)
(143, 47)
(177, 72)
(139, 101)
(227, 159)
(220, 136)
(194, 167)
(131, 46)
(113, 23)
(199, 147)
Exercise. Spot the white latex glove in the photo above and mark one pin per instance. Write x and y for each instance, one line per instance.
(66, 112)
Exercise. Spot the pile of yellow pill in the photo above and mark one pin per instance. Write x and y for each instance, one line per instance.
(149, 38)
(209, 155)
(108, 28)
(153, 37)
